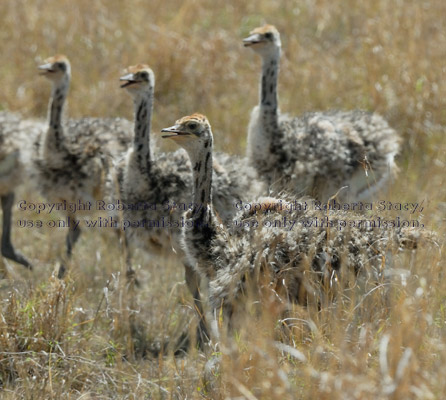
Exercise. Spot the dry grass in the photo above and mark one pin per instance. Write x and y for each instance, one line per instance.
(73, 339)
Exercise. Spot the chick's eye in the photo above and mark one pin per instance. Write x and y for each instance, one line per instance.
(144, 75)
(192, 126)
(269, 35)
(61, 66)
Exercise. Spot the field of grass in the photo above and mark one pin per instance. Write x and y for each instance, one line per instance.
(88, 337)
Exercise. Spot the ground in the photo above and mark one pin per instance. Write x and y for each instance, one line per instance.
(89, 336)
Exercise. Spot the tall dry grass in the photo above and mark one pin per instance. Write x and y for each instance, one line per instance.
(77, 339)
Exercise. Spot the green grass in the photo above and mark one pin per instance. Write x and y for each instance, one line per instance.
(76, 339)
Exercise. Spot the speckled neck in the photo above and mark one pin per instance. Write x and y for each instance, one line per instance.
(200, 229)
(59, 93)
(143, 104)
(269, 108)
(268, 85)
(201, 161)
(264, 136)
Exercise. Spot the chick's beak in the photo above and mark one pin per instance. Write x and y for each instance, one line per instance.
(45, 69)
(252, 40)
(176, 132)
(129, 80)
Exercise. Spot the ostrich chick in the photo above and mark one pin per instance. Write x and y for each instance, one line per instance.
(16, 134)
(155, 186)
(72, 158)
(319, 152)
(256, 248)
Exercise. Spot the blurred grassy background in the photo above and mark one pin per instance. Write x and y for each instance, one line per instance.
(381, 55)
(385, 56)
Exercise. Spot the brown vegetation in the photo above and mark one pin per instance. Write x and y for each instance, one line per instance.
(77, 339)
